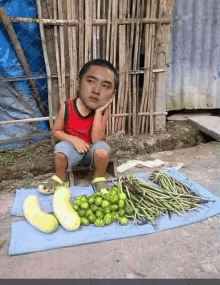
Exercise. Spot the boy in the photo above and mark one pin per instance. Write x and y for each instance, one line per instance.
(80, 126)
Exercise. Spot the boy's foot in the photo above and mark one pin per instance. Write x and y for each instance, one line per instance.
(51, 185)
(100, 183)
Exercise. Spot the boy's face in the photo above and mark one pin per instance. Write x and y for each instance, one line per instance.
(96, 87)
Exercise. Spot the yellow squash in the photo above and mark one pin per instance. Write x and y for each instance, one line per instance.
(63, 210)
(44, 222)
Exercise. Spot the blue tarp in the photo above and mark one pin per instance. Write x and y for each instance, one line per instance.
(16, 98)
(25, 238)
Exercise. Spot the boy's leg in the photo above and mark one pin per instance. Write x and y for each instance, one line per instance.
(66, 156)
(61, 165)
(101, 160)
(98, 159)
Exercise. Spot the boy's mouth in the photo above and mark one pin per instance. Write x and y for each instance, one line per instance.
(93, 99)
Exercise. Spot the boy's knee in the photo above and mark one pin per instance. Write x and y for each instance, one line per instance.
(101, 153)
(60, 155)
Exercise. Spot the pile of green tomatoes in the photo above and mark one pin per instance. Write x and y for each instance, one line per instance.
(103, 208)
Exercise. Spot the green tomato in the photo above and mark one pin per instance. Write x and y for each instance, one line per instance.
(114, 216)
(99, 222)
(81, 213)
(77, 202)
(84, 221)
(113, 199)
(88, 213)
(91, 218)
(98, 201)
(99, 214)
(106, 196)
(75, 207)
(83, 199)
(105, 203)
(123, 196)
(107, 210)
(114, 208)
(94, 208)
(121, 213)
(123, 221)
(91, 200)
(121, 204)
(108, 219)
(114, 189)
(128, 211)
(84, 205)
(98, 194)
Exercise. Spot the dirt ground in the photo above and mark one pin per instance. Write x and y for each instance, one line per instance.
(191, 251)
(28, 167)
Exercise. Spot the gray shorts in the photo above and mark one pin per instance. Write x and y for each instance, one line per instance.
(75, 158)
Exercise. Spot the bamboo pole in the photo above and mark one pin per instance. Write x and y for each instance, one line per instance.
(107, 55)
(8, 25)
(122, 100)
(57, 54)
(49, 86)
(62, 54)
(26, 120)
(81, 33)
(73, 8)
(98, 28)
(70, 41)
(146, 66)
(110, 125)
(127, 67)
(94, 30)
(88, 30)
(139, 53)
(148, 39)
(103, 30)
(112, 55)
(130, 48)
(31, 120)
(101, 22)
(152, 83)
(135, 66)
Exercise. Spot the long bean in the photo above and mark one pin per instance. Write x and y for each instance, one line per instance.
(149, 201)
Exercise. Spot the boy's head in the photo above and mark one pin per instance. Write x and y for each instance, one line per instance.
(98, 83)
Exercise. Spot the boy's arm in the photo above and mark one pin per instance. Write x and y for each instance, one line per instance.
(100, 122)
(58, 133)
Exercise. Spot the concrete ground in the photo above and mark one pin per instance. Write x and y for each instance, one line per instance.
(187, 252)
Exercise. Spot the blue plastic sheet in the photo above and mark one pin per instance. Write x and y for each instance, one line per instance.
(16, 99)
(25, 238)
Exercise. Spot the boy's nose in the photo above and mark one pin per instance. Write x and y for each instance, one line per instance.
(97, 88)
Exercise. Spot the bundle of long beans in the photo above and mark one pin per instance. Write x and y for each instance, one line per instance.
(148, 201)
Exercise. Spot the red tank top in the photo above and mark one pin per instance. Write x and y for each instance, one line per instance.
(77, 125)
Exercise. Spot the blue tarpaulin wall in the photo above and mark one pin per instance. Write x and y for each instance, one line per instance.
(16, 99)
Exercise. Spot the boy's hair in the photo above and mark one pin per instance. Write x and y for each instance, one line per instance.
(103, 63)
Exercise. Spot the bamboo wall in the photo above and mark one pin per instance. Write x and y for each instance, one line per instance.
(133, 35)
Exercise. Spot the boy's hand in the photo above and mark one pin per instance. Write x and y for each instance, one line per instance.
(81, 145)
(101, 109)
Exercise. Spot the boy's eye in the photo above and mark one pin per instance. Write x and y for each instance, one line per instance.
(90, 80)
(106, 86)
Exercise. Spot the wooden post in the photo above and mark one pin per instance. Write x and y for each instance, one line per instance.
(8, 25)
(162, 40)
